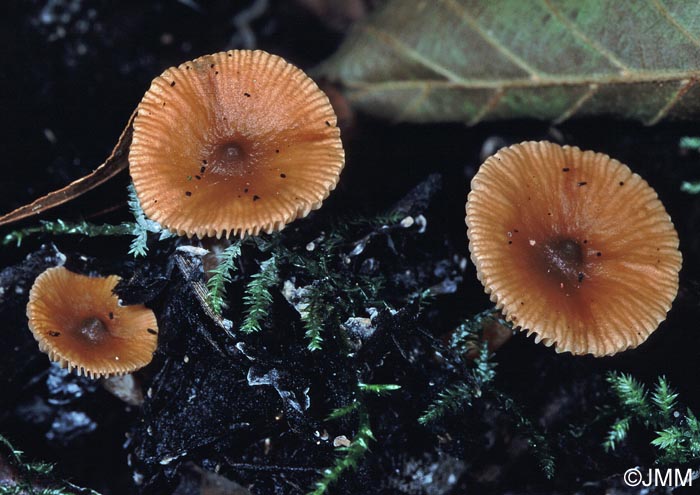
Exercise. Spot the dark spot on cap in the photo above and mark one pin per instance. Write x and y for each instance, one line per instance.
(111, 315)
(151, 331)
(93, 330)
(212, 65)
(510, 242)
(562, 259)
(172, 84)
(582, 184)
(188, 193)
(255, 198)
(328, 123)
(580, 277)
(622, 183)
(202, 169)
(284, 176)
(54, 333)
(277, 151)
(247, 95)
(599, 253)
(565, 169)
(245, 190)
(198, 177)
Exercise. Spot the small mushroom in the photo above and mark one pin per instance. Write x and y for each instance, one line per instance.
(572, 246)
(234, 143)
(78, 321)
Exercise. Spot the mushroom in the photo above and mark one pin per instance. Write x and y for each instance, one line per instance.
(572, 246)
(78, 321)
(236, 142)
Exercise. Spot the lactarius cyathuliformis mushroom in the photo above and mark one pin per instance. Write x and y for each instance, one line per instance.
(572, 246)
(78, 321)
(234, 143)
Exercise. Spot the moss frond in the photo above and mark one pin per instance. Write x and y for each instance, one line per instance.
(23, 485)
(142, 226)
(344, 410)
(349, 456)
(664, 398)
(677, 434)
(378, 388)
(452, 399)
(617, 434)
(632, 395)
(221, 275)
(536, 438)
(59, 227)
(258, 297)
(315, 316)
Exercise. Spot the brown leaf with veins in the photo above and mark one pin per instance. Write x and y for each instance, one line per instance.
(480, 60)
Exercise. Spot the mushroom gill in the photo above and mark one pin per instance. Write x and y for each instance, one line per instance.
(572, 246)
(234, 143)
(78, 321)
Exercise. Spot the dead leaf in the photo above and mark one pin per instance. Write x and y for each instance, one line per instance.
(478, 60)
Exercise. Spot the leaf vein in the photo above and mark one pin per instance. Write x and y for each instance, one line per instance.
(393, 43)
(576, 106)
(573, 28)
(415, 103)
(419, 74)
(683, 88)
(491, 40)
(583, 80)
(486, 109)
(672, 20)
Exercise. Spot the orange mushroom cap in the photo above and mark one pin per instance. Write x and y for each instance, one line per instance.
(236, 143)
(572, 246)
(78, 321)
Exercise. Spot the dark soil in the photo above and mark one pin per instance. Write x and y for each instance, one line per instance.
(253, 408)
